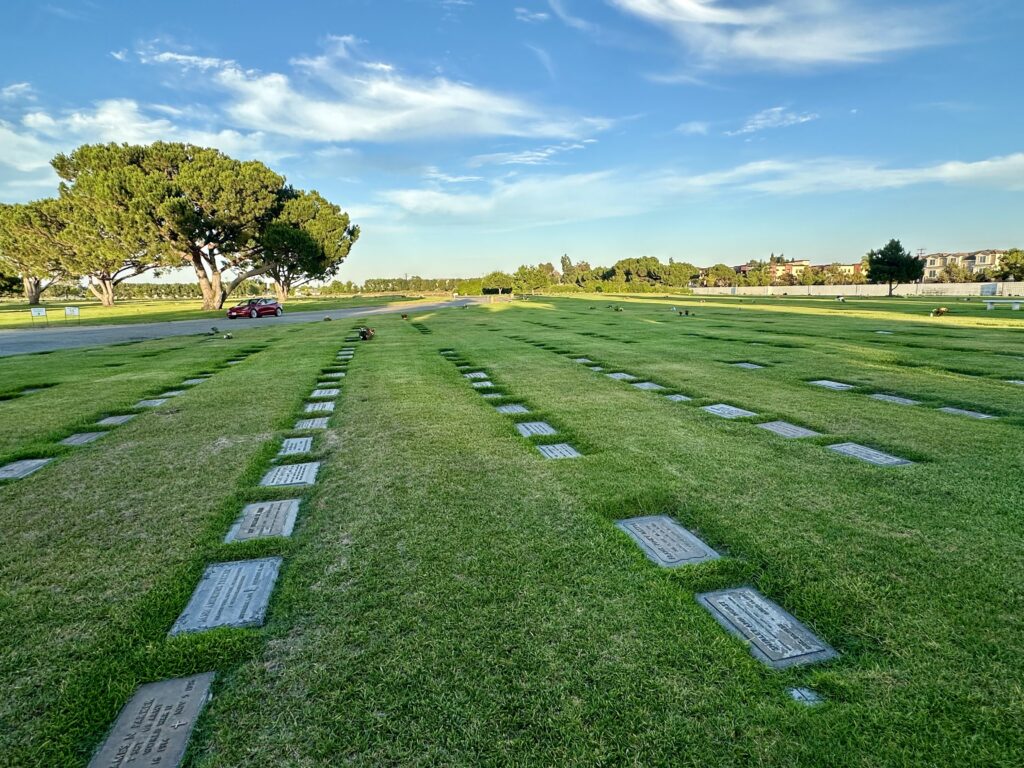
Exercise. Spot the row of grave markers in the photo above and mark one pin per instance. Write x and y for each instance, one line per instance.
(481, 381)
(154, 727)
(726, 411)
(22, 468)
(839, 386)
(773, 635)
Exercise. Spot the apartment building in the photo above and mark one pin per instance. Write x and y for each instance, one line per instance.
(974, 261)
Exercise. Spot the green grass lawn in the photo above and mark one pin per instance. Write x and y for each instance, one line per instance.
(17, 315)
(451, 598)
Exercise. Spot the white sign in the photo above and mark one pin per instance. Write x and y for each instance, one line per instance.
(70, 311)
(38, 311)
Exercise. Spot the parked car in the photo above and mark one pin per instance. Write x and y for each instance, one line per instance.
(256, 308)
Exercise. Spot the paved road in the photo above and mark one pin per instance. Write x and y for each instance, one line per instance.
(23, 341)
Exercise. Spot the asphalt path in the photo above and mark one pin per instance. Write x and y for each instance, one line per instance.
(22, 341)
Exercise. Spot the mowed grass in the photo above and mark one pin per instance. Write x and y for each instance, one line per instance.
(17, 315)
(451, 598)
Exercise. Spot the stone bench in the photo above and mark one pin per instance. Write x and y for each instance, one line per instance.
(1014, 303)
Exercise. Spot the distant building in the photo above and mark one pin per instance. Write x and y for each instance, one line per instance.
(973, 262)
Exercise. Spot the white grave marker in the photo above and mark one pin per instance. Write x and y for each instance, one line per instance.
(870, 455)
(728, 411)
(291, 474)
(327, 406)
(649, 386)
(82, 438)
(559, 451)
(116, 421)
(622, 376)
(829, 384)
(512, 409)
(534, 428)
(308, 424)
(968, 414)
(155, 403)
(325, 393)
(894, 399)
(677, 398)
(785, 429)
(293, 446)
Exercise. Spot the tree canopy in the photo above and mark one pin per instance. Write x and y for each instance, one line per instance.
(30, 245)
(893, 265)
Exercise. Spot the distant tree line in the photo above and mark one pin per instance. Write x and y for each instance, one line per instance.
(124, 210)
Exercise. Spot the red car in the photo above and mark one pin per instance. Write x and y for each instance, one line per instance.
(256, 308)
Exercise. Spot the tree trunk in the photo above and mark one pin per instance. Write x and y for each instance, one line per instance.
(103, 289)
(209, 300)
(281, 289)
(33, 290)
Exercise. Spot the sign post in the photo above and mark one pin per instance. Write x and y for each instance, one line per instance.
(70, 312)
(39, 312)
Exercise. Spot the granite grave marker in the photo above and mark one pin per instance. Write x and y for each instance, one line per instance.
(870, 455)
(82, 438)
(785, 429)
(666, 542)
(728, 411)
(288, 475)
(559, 451)
(264, 519)
(23, 468)
(533, 428)
(230, 595)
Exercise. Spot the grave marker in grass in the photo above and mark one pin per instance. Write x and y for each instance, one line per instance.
(264, 519)
(310, 424)
(230, 595)
(535, 428)
(294, 446)
(154, 727)
(288, 475)
(967, 413)
(678, 398)
(894, 399)
(785, 429)
(559, 451)
(152, 403)
(16, 470)
(622, 376)
(116, 421)
(649, 386)
(325, 406)
(82, 438)
(512, 409)
(325, 392)
(666, 542)
(728, 411)
(870, 455)
(773, 635)
(482, 384)
(748, 366)
(829, 384)
(476, 375)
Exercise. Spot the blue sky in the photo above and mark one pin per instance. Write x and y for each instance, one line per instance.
(470, 135)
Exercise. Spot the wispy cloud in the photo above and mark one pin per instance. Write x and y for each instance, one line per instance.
(531, 17)
(540, 156)
(546, 199)
(694, 128)
(17, 91)
(345, 97)
(774, 117)
(789, 33)
(544, 58)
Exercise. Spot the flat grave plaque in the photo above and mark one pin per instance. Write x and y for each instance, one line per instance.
(476, 375)
(325, 393)
(870, 455)
(327, 406)
(116, 421)
(894, 399)
(264, 519)
(31, 390)
(596, 368)
(23, 468)
(82, 438)
(785, 429)
(155, 725)
(335, 375)
(649, 386)
(193, 382)
(230, 595)
(154, 403)
(492, 396)
(582, 360)
(805, 696)
(291, 474)
(173, 393)
(514, 408)
(773, 635)
(621, 376)
(728, 411)
(828, 384)
(748, 366)
(677, 398)
(293, 446)
(1018, 382)
(482, 384)
(968, 414)
(235, 362)
(559, 451)
(532, 428)
(305, 424)
(666, 542)
(884, 333)
(326, 385)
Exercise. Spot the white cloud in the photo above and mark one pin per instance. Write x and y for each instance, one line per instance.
(694, 128)
(790, 33)
(17, 91)
(121, 55)
(345, 98)
(433, 173)
(531, 17)
(539, 156)
(545, 199)
(774, 117)
(544, 58)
